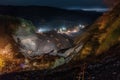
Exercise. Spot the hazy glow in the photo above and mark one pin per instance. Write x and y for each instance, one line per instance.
(63, 29)
(88, 9)
(96, 9)
(41, 30)
(81, 26)
(69, 31)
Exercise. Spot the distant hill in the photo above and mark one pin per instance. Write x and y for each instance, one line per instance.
(39, 14)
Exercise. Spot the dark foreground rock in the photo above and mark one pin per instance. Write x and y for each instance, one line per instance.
(107, 68)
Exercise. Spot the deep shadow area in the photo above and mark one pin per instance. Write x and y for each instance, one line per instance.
(107, 68)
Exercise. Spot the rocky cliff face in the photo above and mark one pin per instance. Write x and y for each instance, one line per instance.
(8, 49)
(21, 48)
(98, 39)
(102, 35)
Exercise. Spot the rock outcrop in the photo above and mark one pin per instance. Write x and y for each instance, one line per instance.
(102, 35)
(99, 40)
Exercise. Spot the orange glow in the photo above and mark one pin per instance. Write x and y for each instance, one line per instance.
(103, 22)
(7, 61)
(70, 31)
(2, 63)
(102, 25)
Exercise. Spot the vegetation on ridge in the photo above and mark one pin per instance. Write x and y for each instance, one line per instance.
(102, 35)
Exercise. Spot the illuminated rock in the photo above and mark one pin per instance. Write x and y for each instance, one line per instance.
(38, 44)
(102, 35)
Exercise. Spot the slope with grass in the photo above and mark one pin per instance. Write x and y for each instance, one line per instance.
(102, 35)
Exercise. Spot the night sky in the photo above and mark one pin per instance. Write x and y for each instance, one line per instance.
(68, 4)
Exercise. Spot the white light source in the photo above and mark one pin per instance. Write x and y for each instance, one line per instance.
(81, 26)
(40, 30)
(64, 28)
